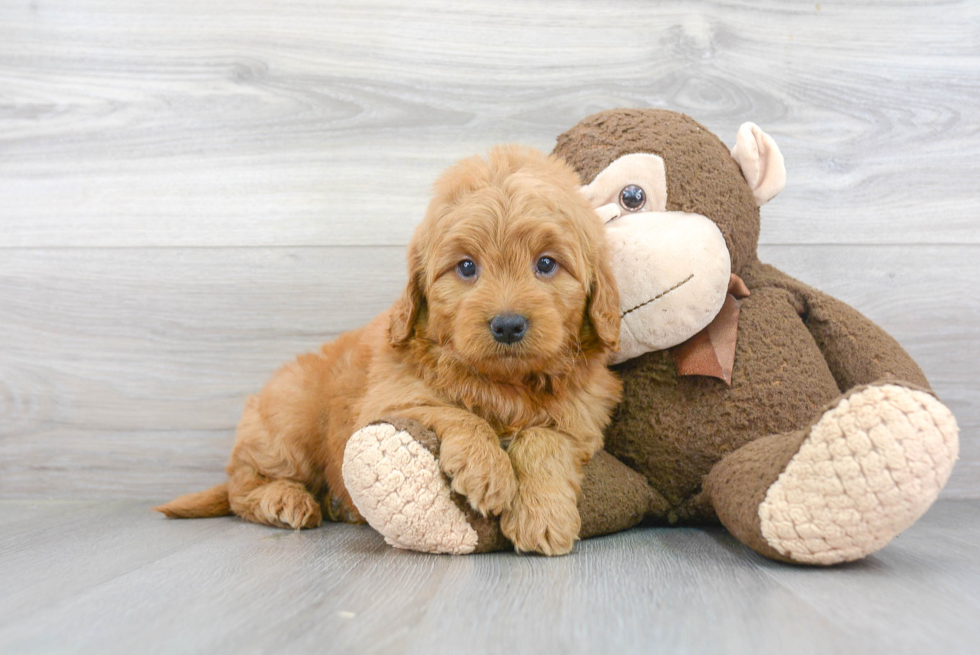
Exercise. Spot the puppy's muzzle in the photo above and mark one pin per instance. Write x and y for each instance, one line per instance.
(508, 328)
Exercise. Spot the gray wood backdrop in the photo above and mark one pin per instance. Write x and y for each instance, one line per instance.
(193, 192)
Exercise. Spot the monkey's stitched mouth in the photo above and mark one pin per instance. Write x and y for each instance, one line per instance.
(659, 296)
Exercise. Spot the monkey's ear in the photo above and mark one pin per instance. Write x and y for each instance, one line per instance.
(406, 310)
(761, 162)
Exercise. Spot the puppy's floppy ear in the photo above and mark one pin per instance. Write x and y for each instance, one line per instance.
(406, 310)
(603, 302)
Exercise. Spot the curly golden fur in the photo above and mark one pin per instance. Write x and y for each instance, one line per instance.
(433, 358)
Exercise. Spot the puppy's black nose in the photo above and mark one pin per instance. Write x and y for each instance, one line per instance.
(508, 328)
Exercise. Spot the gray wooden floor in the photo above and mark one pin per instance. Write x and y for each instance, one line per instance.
(112, 577)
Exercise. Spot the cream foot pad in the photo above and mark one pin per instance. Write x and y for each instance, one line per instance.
(396, 484)
(869, 468)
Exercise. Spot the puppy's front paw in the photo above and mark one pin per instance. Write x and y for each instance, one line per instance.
(540, 522)
(480, 471)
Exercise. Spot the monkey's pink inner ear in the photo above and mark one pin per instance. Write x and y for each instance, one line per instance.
(761, 162)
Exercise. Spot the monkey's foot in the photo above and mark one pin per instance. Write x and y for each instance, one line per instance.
(392, 474)
(866, 470)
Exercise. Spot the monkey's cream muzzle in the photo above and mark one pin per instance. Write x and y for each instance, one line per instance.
(672, 270)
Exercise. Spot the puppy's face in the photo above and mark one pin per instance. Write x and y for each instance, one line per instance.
(507, 284)
(507, 271)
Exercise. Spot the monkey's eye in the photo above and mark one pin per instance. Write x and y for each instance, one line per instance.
(632, 198)
(466, 268)
(546, 266)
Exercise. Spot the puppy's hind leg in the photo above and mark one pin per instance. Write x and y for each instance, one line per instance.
(279, 503)
(263, 477)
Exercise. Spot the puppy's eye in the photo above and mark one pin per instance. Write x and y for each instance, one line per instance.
(546, 266)
(632, 198)
(466, 268)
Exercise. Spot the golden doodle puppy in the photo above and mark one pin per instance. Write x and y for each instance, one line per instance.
(500, 338)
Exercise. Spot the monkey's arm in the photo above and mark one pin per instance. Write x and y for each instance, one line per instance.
(856, 350)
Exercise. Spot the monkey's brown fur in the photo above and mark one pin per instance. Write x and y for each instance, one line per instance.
(432, 358)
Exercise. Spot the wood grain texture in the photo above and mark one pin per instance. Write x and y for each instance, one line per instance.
(240, 122)
(193, 193)
(115, 578)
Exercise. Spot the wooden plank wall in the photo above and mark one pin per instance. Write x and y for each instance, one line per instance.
(193, 192)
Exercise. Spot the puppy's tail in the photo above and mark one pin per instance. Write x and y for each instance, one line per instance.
(199, 505)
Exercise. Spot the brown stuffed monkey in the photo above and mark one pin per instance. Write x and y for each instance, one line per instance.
(749, 398)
